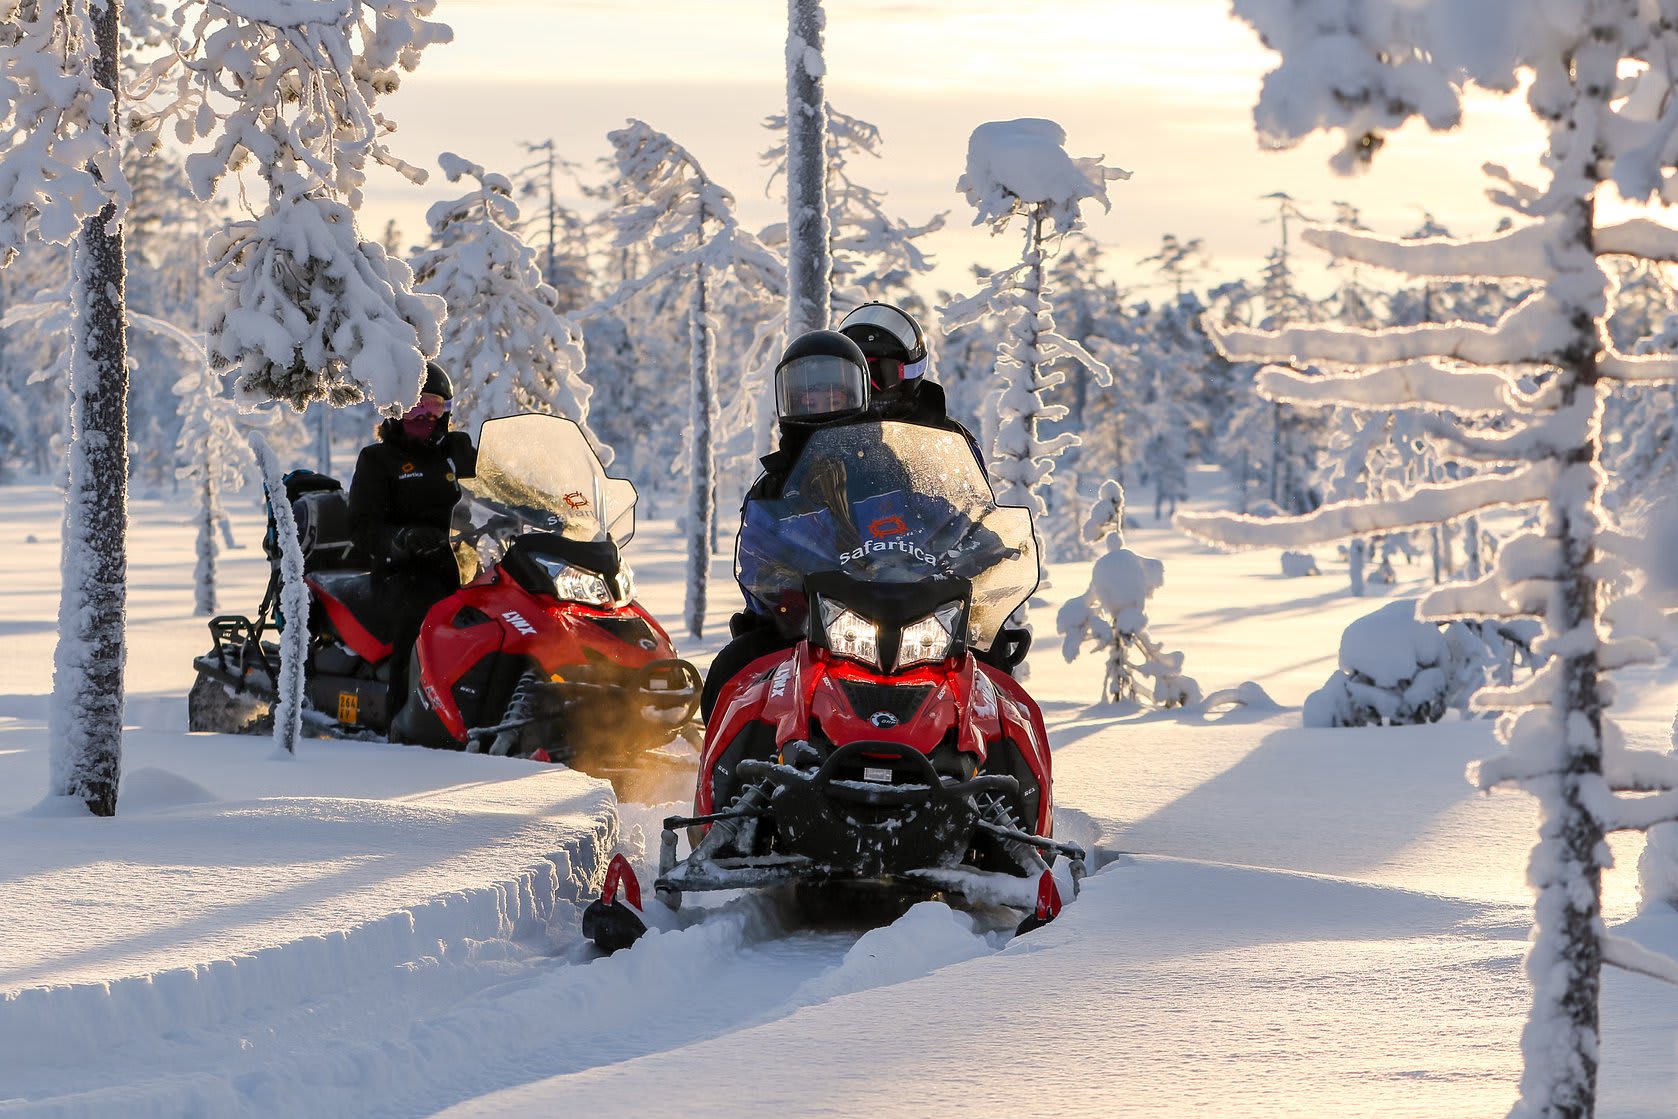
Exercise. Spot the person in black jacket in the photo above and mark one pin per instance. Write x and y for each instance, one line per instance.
(402, 498)
(821, 379)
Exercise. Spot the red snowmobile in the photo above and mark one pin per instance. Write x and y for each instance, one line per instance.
(877, 751)
(544, 654)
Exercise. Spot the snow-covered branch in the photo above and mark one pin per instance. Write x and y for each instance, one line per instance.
(1431, 504)
(1534, 331)
(1412, 384)
(1522, 253)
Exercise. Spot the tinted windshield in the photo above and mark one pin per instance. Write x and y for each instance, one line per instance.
(538, 473)
(888, 502)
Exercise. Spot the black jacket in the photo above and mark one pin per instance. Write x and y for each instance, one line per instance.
(400, 483)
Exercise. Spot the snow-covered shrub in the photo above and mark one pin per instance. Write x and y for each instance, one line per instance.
(1396, 669)
(1112, 616)
(1296, 565)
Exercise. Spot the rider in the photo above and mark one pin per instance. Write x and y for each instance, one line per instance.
(821, 379)
(402, 497)
(895, 347)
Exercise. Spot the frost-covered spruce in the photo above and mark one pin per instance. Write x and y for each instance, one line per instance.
(504, 342)
(1601, 76)
(1020, 168)
(311, 312)
(1112, 618)
(671, 204)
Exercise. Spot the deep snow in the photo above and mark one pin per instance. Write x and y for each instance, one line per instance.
(1285, 921)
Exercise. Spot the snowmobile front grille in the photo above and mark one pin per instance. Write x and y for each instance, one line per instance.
(901, 701)
(629, 629)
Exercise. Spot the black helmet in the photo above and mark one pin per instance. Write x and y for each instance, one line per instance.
(890, 339)
(437, 382)
(822, 376)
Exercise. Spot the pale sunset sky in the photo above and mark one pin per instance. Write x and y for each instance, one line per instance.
(1163, 88)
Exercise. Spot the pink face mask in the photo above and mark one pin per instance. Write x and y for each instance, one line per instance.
(419, 427)
(420, 421)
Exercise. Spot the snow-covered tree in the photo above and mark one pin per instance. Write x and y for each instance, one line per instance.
(61, 179)
(312, 312)
(1112, 617)
(1177, 262)
(1020, 168)
(215, 454)
(809, 260)
(504, 342)
(1601, 74)
(294, 601)
(688, 220)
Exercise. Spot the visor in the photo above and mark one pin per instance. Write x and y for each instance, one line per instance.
(819, 386)
(429, 406)
(891, 321)
(887, 372)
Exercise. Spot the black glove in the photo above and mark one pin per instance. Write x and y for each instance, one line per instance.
(747, 621)
(417, 540)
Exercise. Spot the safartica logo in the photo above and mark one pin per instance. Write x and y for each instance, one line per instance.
(894, 544)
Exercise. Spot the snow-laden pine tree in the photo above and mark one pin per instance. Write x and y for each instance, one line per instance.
(1112, 618)
(672, 206)
(61, 177)
(1601, 75)
(1020, 168)
(311, 311)
(505, 344)
(809, 259)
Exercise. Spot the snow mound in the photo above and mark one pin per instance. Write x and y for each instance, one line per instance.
(152, 789)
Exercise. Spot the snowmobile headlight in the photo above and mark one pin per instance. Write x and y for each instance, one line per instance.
(626, 584)
(574, 584)
(928, 640)
(849, 634)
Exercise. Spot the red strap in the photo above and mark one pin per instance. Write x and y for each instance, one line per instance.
(1048, 897)
(620, 873)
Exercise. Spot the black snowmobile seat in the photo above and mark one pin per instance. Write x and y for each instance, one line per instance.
(351, 606)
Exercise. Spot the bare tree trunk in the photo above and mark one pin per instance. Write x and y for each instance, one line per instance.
(702, 509)
(809, 264)
(86, 719)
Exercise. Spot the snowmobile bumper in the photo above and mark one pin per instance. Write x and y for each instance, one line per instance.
(871, 811)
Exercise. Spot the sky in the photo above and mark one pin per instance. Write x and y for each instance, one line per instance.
(1162, 88)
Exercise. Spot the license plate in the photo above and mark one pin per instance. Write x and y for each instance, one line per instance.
(871, 773)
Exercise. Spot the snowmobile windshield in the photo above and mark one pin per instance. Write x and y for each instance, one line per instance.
(538, 473)
(885, 501)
